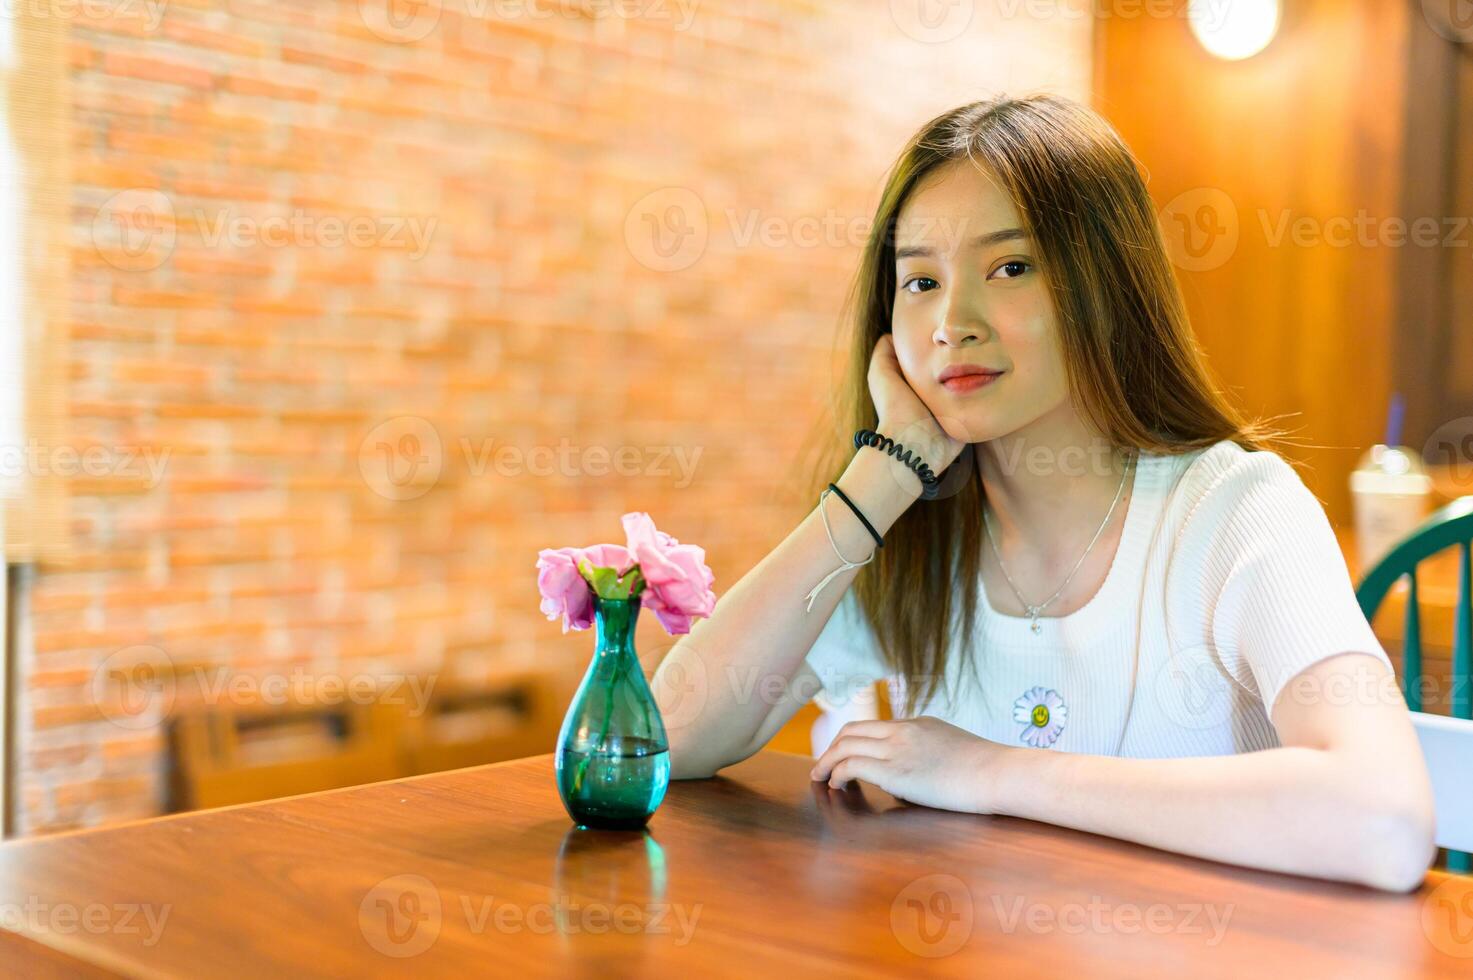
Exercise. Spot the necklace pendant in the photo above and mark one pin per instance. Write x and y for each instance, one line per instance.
(1033, 612)
(1036, 628)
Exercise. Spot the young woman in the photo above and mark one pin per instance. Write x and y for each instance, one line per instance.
(1116, 571)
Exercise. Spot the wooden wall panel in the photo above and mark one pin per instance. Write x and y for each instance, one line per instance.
(1308, 131)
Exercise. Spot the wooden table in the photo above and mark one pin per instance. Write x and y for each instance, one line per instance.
(758, 872)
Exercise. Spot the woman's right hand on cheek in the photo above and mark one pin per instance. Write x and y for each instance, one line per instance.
(902, 415)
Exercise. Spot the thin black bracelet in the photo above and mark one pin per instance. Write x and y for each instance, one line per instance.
(930, 482)
(867, 525)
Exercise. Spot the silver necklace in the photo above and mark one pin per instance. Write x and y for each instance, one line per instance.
(1034, 610)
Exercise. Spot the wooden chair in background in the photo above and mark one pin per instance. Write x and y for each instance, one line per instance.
(510, 715)
(222, 755)
(240, 755)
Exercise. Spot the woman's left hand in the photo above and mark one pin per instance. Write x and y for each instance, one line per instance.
(920, 760)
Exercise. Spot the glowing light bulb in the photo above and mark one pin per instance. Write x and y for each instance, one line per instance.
(1234, 29)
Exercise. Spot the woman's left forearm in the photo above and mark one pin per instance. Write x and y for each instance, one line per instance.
(1298, 810)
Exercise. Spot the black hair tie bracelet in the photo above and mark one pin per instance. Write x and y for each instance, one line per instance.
(930, 483)
(879, 541)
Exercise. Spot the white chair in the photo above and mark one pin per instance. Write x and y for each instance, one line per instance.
(859, 707)
(1447, 744)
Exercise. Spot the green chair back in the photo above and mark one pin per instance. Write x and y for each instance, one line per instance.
(1452, 526)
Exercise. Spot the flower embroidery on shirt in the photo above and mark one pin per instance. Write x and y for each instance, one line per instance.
(1042, 714)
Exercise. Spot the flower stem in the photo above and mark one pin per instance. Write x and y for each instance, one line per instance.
(614, 675)
(604, 731)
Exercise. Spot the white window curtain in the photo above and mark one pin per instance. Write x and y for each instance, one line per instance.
(35, 243)
(35, 272)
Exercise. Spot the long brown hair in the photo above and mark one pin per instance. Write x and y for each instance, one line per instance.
(1135, 371)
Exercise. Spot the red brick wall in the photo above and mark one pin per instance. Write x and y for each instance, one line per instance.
(255, 312)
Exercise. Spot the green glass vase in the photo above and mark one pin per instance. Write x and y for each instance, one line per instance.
(613, 758)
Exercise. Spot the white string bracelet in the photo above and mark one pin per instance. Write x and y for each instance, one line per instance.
(842, 568)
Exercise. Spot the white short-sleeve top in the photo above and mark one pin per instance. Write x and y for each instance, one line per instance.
(1227, 582)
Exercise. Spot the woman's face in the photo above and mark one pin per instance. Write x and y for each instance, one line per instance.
(968, 292)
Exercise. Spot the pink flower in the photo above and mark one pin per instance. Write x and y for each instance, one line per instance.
(677, 580)
(614, 556)
(565, 591)
(676, 584)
